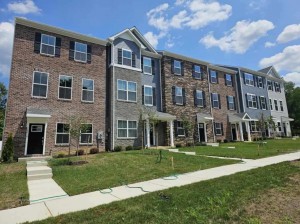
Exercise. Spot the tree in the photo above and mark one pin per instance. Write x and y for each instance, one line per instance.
(188, 128)
(3, 93)
(8, 150)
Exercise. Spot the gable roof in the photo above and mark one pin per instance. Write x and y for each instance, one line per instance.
(142, 39)
(131, 35)
(271, 71)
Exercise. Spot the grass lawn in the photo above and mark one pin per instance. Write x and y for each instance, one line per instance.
(13, 184)
(222, 200)
(248, 150)
(112, 169)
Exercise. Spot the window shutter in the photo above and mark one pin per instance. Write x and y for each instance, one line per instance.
(244, 78)
(175, 128)
(246, 98)
(263, 82)
(257, 103)
(225, 80)
(133, 60)
(143, 95)
(234, 102)
(204, 100)
(183, 95)
(57, 46)
(266, 102)
(71, 50)
(89, 54)
(232, 80)
(120, 56)
(227, 99)
(37, 43)
(142, 64)
(219, 99)
(222, 129)
(153, 66)
(217, 76)
(260, 102)
(279, 87)
(172, 66)
(212, 101)
(173, 95)
(215, 128)
(154, 96)
(272, 86)
(193, 71)
(182, 68)
(195, 98)
(254, 80)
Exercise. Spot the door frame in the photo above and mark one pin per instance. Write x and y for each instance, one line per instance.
(153, 133)
(27, 135)
(205, 134)
(235, 127)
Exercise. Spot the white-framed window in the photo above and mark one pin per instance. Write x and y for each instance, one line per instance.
(260, 82)
(48, 45)
(62, 134)
(249, 79)
(218, 128)
(148, 95)
(65, 87)
(263, 102)
(36, 128)
(279, 126)
(215, 100)
(40, 84)
(127, 129)
(231, 105)
(86, 134)
(126, 90)
(177, 67)
(281, 105)
(178, 95)
(253, 126)
(252, 102)
(197, 72)
(126, 57)
(80, 52)
(277, 87)
(271, 104)
(276, 105)
(180, 129)
(213, 76)
(87, 90)
(228, 80)
(147, 66)
(199, 98)
(270, 85)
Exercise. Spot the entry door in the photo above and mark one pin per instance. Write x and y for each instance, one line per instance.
(36, 139)
(201, 132)
(284, 129)
(233, 131)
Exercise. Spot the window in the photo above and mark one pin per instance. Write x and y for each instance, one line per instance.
(177, 67)
(127, 56)
(263, 102)
(253, 126)
(218, 128)
(251, 100)
(148, 96)
(249, 79)
(180, 129)
(197, 72)
(178, 95)
(271, 104)
(87, 90)
(260, 82)
(270, 85)
(279, 126)
(40, 84)
(36, 128)
(86, 134)
(281, 105)
(228, 80)
(276, 105)
(48, 45)
(199, 98)
(80, 52)
(127, 129)
(231, 103)
(215, 100)
(147, 66)
(277, 87)
(213, 76)
(126, 90)
(65, 87)
(62, 133)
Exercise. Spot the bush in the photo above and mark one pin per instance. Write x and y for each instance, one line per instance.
(80, 152)
(137, 148)
(178, 145)
(128, 148)
(60, 155)
(219, 141)
(118, 148)
(8, 150)
(225, 141)
(93, 151)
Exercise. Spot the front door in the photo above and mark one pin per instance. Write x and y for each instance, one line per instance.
(36, 139)
(201, 132)
(284, 129)
(233, 131)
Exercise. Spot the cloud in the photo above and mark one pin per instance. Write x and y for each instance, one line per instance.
(293, 77)
(180, 2)
(288, 59)
(257, 4)
(156, 17)
(241, 37)
(6, 43)
(153, 38)
(269, 44)
(23, 7)
(291, 32)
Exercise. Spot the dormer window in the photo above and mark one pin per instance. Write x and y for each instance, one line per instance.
(147, 66)
(126, 57)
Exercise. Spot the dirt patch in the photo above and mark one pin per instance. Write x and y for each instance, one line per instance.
(281, 205)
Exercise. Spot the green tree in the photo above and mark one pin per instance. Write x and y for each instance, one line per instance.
(188, 128)
(3, 93)
(8, 150)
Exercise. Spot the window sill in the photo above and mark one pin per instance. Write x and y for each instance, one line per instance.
(124, 138)
(88, 102)
(68, 100)
(47, 55)
(82, 62)
(148, 74)
(82, 144)
(249, 84)
(38, 97)
(126, 101)
(252, 108)
(177, 104)
(62, 145)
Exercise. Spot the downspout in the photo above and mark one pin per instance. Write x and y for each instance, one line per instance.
(113, 94)
(211, 111)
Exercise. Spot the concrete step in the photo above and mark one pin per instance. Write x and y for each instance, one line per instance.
(173, 150)
(39, 176)
(37, 163)
(38, 170)
(35, 158)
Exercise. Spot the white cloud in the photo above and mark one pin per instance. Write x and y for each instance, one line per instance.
(288, 59)
(178, 19)
(291, 32)
(156, 17)
(293, 77)
(23, 7)
(6, 42)
(153, 38)
(241, 37)
(257, 4)
(180, 2)
(269, 44)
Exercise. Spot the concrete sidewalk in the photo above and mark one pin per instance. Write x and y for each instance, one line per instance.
(85, 201)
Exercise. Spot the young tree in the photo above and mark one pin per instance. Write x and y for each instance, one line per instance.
(8, 150)
(272, 125)
(3, 92)
(262, 125)
(188, 128)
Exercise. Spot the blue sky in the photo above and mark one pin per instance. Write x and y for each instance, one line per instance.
(247, 33)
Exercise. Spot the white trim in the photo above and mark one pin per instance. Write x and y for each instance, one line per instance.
(38, 115)
(27, 136)
(87, 101)
(41, 97)
(128, 50)
(146, 73)
(180, 62)
(146, 86)
(179, 95)
(65, 87)
(44, 140)
(210, 80)
(126, 67)
(220, 128)
(132, 101)
(180, 128)
(226, 74)
(52, 55)
(200, 98)
(212, 95)
(251, 94)
(232, 102)
(63, 144)
(248, 84)
(80, 143)
(136, 40)
(127, 129)
(80, 52)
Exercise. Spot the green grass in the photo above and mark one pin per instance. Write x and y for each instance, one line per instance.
(248, 150)
(112, 169)
(221, 200)
(13, 185)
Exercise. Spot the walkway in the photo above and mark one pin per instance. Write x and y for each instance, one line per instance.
(80, 202)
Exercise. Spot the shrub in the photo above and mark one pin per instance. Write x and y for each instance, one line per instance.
(128, 148)
(118, 148)
(80, 152)
(178, 145)
(8, 150)
(219, 141)
(93, 151)
(225, 141)
(60, 155)
(137, 148)
(189, 144)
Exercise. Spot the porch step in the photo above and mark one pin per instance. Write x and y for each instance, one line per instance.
(37, 163)
(36, 170)
(173, 150)
(215, 144)
(39, 176)
(35, 158)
